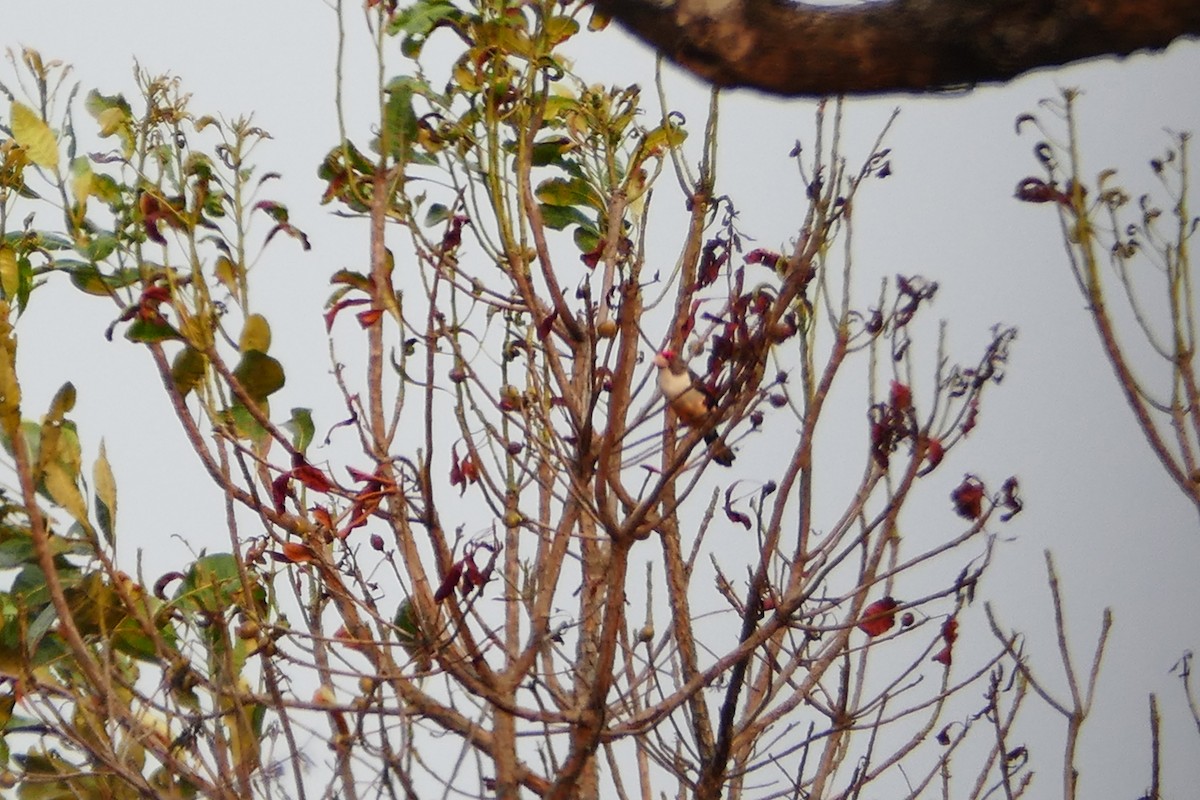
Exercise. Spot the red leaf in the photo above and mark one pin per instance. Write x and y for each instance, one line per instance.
(690, 323)
(474, 577)
(1036, 190)
(733, 514)
(369, 317)
(1010, 500)
(972, 416)
(950, 630)
(322, 516)
(470, 471)
(901, 396)
(312, 478)
(332, 313)
(768, 258)
(298, 553)
(949, 635)
(358, 476)
(456, 476)
(934, 452)
(449, 582)
(544, 327)
(279, 490)
(879, 617)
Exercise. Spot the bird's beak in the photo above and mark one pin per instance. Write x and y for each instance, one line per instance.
(660, 361)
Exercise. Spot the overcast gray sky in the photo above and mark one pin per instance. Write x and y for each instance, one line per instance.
(1121, 534)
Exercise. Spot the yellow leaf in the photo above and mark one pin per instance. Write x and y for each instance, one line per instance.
(227, 273)
(81, 180)
(111, 120)
(256, 334)
(63, 489)
(106, 494)
(10, 272)
(10, 389)
(34, 136)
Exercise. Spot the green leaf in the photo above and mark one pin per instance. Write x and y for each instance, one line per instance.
(259, 374)
(419, 20)
(151, 331)
(256, 334)
(34, 136)
(559, 217)
(436, 213)
(569, 192)
(301, 426)
(550, 151)
(244, 425)
(586, 239)
(399, 119)
(106, 495)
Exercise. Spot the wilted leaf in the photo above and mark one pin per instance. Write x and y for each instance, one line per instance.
(34, 136)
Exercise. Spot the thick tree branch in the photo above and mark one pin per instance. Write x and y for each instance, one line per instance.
(902, 46)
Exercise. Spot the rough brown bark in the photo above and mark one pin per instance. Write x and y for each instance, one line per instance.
(901, 46)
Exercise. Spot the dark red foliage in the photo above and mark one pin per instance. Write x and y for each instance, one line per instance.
(714, 256)
(912, 291)
(934, 453)
(1036, 190)
(949, 636)
(449, 581)
(279, 490)
(452, 238)
(972, 417)
(733, 514)
(768, 258)
(1010, 500)
(544, 327)
(335, 309)
(968, 498)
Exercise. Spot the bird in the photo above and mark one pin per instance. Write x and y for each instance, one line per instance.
(693, 402)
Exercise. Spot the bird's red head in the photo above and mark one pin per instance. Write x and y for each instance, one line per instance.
(663, 358)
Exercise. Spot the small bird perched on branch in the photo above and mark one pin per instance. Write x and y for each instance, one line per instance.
(693, 402)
